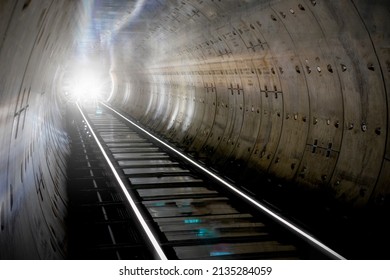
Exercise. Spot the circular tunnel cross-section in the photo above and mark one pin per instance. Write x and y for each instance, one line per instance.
(288, 100)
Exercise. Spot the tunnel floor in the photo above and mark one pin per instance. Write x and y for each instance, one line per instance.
(354, 234)
(93, 198)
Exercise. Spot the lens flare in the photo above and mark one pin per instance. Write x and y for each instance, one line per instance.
(87, 83)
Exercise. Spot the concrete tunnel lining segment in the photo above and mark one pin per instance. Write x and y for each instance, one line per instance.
(292, 91)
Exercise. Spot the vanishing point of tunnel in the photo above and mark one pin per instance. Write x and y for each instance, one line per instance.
(286, 99)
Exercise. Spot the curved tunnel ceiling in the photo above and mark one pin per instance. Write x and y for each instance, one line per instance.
(293, 89)
(296, 92)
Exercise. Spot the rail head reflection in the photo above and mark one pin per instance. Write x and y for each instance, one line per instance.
(246, 197)
(151, 237)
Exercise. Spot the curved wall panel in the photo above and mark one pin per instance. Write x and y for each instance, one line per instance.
(33, 145)
(296, 90)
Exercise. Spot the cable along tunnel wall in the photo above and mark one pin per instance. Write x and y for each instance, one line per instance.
(295, 90)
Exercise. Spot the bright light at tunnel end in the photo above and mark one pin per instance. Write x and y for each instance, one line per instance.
(87, 82)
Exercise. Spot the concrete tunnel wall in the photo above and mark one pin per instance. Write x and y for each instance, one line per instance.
(294, 90)
(36, 37)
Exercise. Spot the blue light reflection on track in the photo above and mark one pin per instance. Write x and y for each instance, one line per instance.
(331, 253)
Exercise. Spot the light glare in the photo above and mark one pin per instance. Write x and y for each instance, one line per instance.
(87, 81)
(86, 85)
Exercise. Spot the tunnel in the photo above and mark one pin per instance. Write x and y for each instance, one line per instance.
(287, 99)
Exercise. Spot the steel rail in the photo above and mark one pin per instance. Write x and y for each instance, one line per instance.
(153, 240)
(283, 221)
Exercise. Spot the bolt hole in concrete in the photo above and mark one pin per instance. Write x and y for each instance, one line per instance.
(26, 4)
(292, 166)
(364, 127)
(371, 67)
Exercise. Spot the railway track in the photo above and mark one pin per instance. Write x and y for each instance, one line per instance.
(140, 198)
